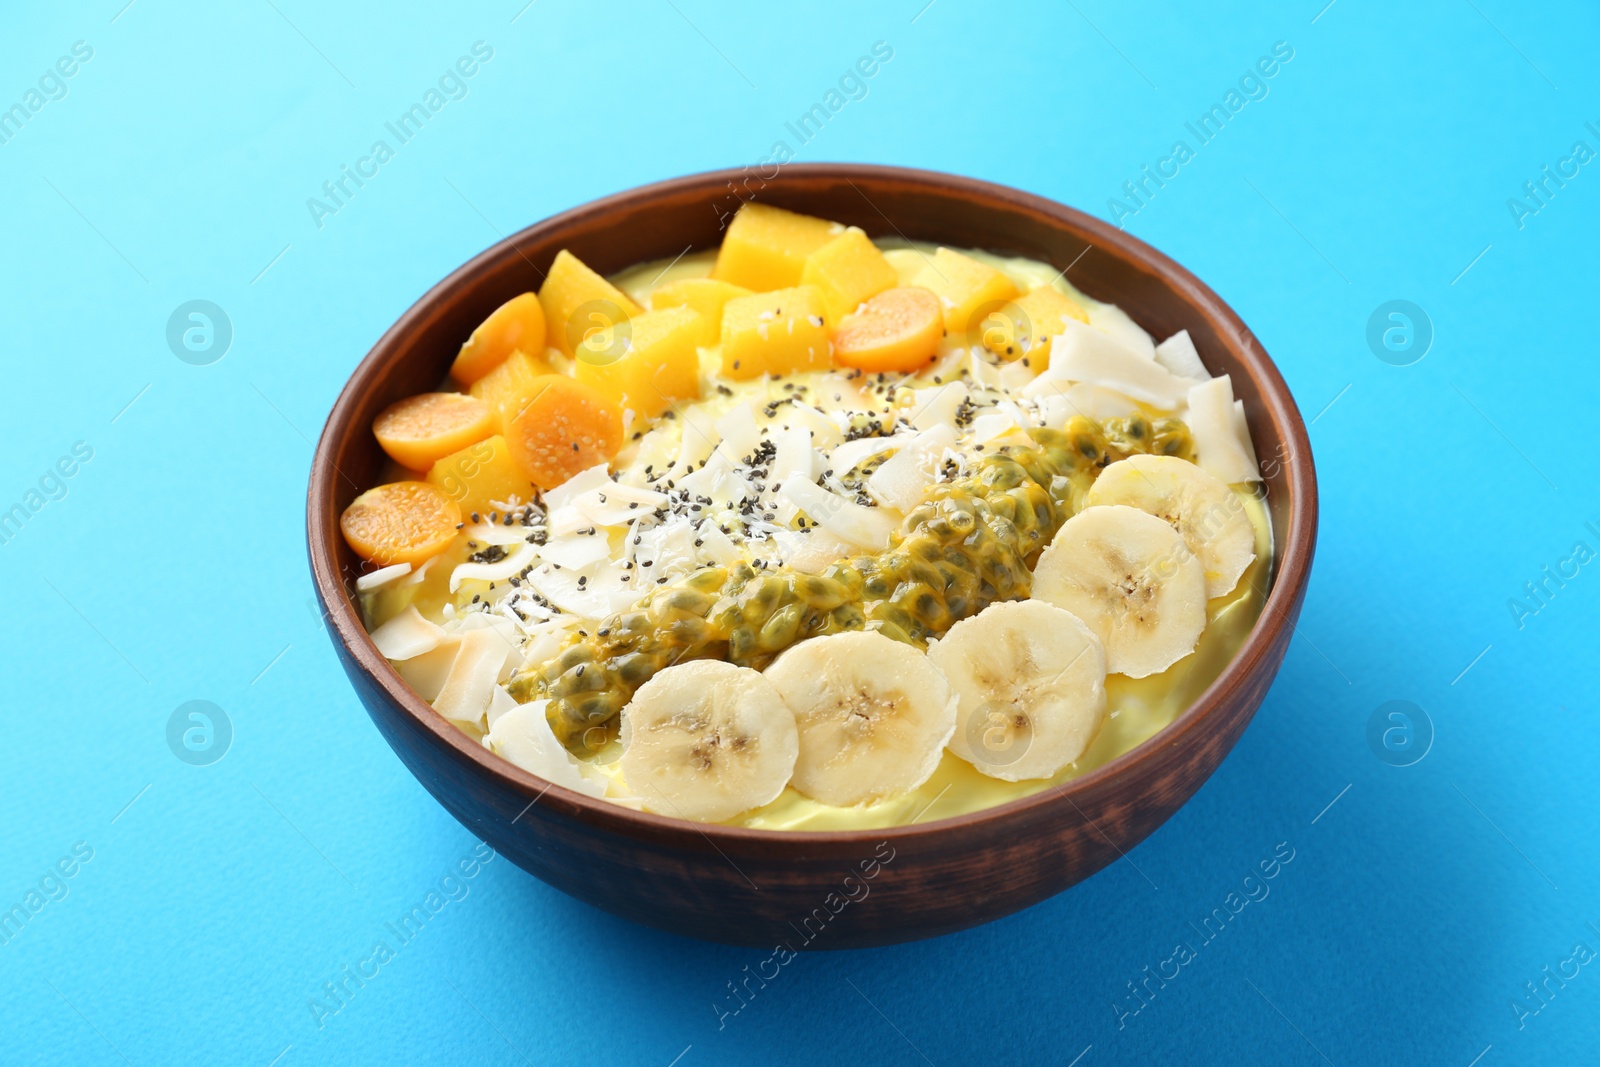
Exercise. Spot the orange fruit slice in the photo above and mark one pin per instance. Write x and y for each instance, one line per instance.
(402, 522)
(897, 330)
(420, 430)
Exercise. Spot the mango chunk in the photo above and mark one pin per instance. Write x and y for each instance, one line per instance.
(907, 263)
(568, 427)
(646, 363)
(705, 295)
(403, 522)
(1022, 328)
(419, 429)
(848, 270)
(766, 247)
(780, 332)
(964, 287)
(578, 301)
(518, 323)
(481, 477)
(508, 388)
(897, 330)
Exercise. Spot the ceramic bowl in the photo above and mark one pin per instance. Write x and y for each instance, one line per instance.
(816, 889)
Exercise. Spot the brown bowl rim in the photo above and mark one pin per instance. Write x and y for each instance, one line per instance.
(1290, 571)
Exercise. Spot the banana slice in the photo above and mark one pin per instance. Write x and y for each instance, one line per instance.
(1207, 514)
(1031, 679)
(874, 716)
(706, 740)
(1133, 580)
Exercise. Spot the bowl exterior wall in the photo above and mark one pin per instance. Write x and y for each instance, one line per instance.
(854, 894)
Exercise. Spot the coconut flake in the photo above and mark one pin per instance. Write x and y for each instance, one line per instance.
(493, 533)
(1216, 435)
(568, 519)
(1242, 428)
(1084, 354)
(903, 478)
(595, 477)
(704, 480)
(500, 702)
(850, 455)
(1081, 398)
(1178, 354)
(505, 629)
(937, 405)
(472, 677)
(716, 546)
(407, 635)
(547, 639)
(793, 455)
(1003, 419)
(600, 592)
(652, 458)
(813, 552)
(426, 673)
(575, 551)
(382, 577)
(984, 371)
(667, 549)
(421, 572)
(698, 440)
(719, 482)
(948, 362)
(1115, 323)
(617, 504)
(825, 432)
(1015, 376)
(494, 572)
(738, 431)
(867, 527)
(838, 393)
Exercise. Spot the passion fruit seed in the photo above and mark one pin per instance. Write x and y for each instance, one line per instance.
(970, 544)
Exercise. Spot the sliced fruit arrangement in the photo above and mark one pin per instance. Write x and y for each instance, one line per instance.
(402, 522)
(1031, 680)
(420, 430)
(810, 522)
(1130, 577)
(968, 545)
(873, 714)
(708, 740)
(1207, 514)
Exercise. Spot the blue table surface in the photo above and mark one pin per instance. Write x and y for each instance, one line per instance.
(1436, 910)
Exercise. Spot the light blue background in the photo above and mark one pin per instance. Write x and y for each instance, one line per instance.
(220, 898)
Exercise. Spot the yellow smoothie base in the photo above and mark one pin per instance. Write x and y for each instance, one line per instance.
(1137, 709)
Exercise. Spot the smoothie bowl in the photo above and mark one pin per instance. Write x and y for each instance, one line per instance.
(862, 550)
